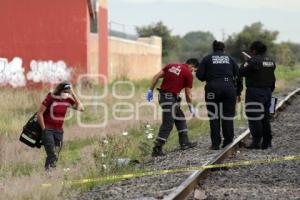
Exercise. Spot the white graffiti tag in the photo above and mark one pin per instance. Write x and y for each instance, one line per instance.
(48, 72)
(12, 73)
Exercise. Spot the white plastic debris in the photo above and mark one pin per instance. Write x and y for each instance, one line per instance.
(199, 194)
(126, 161)
(123, 161)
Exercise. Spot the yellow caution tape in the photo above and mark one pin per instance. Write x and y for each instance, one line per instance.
(172, 171)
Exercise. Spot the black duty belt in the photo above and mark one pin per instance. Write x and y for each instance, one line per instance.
(169, 94)
(225, 79)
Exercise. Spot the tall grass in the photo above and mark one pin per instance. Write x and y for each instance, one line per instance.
(287, 76)
(287, 73)
(16, 107)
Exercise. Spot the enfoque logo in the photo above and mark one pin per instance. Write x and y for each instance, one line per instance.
(113, 103)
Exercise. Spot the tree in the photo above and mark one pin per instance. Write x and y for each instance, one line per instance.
(284, 55)
(295, 48)
(241, 41)
(196, 44)
(169, 42)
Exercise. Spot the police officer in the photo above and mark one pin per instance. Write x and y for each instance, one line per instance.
(175, 78)
(260, 82)
(220, 72)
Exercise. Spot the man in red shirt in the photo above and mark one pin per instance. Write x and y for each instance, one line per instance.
(175, 78)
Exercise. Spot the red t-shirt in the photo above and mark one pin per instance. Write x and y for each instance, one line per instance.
(56, 111)
(177, 77)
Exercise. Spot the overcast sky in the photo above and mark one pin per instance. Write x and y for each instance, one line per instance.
(216, 16)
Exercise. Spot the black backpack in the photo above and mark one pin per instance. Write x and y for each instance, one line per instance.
(32, 133)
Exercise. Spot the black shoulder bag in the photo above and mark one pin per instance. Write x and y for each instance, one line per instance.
(32, 132)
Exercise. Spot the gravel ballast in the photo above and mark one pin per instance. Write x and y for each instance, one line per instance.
(156, 187)
(264, 181)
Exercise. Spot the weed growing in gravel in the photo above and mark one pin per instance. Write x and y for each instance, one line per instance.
(134, 146)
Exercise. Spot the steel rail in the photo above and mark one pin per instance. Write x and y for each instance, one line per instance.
(184, 190)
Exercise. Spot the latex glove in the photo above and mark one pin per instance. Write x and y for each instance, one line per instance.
(149, 95)
(192, 110)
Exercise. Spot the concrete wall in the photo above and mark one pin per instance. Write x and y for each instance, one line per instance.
(135, 60)
(93, 54)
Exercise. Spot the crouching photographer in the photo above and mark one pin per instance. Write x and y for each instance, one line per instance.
(51, 116)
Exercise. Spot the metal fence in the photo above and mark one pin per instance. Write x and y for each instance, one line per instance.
(119, 30)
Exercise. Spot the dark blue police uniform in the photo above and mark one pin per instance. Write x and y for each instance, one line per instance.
(260, 83)
(220, 72)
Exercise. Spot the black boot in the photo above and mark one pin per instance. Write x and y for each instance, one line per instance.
(266, 145)
(214, 147)
(253, 145)
(188, 145)
(256, 141)
(157, 151)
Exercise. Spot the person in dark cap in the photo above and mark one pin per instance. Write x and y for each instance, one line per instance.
(51, 118)
(220, 72)
(175, 78)
(259, 71)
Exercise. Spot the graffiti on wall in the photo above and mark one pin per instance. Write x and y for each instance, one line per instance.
(48, 71)
(13, 73)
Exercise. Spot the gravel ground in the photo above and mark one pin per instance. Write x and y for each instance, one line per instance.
(155, 187)
(264, 181)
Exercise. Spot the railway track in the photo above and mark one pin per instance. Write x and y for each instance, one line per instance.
(177, 186)
(188, 186)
